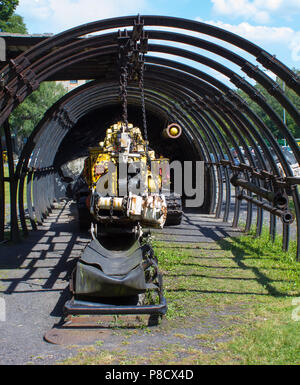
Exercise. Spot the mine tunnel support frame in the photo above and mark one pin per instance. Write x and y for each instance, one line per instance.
(23, 75)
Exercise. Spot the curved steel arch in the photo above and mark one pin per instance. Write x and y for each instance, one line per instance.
(272, 228)
(287, 134)
(220, 104)
(277, 120)
(83, 107)
(81, 103)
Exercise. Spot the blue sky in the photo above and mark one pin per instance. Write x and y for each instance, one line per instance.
(272, 24)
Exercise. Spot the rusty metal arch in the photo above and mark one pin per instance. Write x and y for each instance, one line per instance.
(44, 145)
(59, 111)
(213, 105)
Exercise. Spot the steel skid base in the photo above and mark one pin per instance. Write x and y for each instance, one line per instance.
(107, 282)
(79, 307)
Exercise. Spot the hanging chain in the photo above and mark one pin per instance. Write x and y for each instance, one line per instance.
(123, 94)
(142, 91)
(123, 82)
(131, 62)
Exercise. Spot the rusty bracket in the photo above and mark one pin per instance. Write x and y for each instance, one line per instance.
(28, 77)
(65, 118)
(274, 89)
(238, 102)
(138, 26)
(250, 69)
(12, 94)
(246, 167)
(292, 180)
(262, 174)
(19, 63)
(123, 39)
(269, 61)
(237, 80)
(266, 59)
(9, 91)
(255, 94)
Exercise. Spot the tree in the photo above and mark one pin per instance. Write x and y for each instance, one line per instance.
(27, 115)
(7, 8)
(14, 24)
(10, 22)
(277, 107)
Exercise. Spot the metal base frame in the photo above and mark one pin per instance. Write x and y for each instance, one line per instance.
(79, 307)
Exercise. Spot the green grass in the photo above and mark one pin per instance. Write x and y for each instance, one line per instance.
(273, 336)
(229, 302)
(291, 202)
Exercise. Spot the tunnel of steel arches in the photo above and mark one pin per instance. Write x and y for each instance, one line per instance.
(179, 58)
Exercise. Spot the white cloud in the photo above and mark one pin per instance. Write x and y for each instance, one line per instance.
(258, 34)
(260, 11)
(295, 47)
(59, 15)
(240, 8)
(264, 36)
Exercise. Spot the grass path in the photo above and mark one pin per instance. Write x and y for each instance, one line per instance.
(230, 302)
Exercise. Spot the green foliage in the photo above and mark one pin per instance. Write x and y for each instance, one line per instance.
(7, 8)
(290, 94)
(27, 115)
(10, 22)
(275, 342)
(14, 24)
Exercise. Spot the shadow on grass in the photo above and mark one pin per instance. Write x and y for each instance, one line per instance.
(224, 278)
(240, 249)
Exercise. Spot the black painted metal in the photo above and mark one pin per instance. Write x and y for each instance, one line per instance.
(272, 223)
(14, 235)
(215, 118)
(2, 194)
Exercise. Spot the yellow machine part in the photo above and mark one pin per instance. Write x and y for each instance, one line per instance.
(96, 165)
(5, 158)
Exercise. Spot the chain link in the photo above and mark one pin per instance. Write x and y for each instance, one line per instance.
(123, 90)
(142, 91)
(132, 65)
